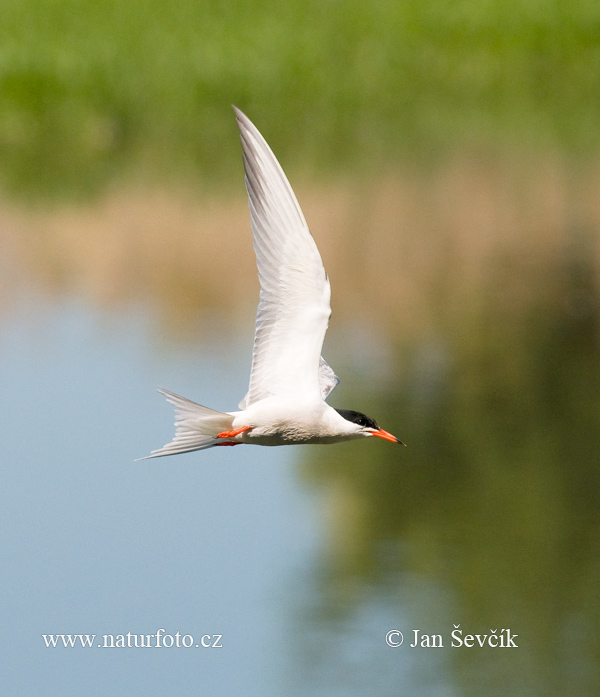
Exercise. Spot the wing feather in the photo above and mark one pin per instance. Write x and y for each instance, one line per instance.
(294, 308)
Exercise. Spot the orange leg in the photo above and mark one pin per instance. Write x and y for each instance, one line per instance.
(232, 434)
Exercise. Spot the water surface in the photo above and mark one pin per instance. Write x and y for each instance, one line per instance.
(466, 320)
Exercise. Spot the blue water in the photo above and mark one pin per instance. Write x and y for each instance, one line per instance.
(95, 543)
(225, 543)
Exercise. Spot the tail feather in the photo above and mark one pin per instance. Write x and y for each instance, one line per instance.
(197, 427)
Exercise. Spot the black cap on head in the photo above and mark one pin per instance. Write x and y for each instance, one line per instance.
(357, 417)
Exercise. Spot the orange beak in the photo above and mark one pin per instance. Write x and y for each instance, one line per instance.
(386, 436)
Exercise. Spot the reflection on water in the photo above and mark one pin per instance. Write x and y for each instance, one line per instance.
(482, 280)
(495, 512)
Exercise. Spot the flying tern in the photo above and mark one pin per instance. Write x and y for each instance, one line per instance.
(289, 380)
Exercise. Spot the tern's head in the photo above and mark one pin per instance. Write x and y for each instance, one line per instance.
(366, 426)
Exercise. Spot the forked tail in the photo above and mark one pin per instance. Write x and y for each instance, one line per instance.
(197, 427)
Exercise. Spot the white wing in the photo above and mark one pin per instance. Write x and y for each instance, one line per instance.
(294, 309)
(328, 380)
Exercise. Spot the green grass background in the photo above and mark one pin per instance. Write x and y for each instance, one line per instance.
(91, 90)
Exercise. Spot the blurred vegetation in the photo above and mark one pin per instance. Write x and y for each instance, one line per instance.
(484, 275)
(93, 90)
(495, 503)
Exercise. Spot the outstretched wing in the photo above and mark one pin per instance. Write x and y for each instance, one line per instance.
(328, 380)
(294, 309)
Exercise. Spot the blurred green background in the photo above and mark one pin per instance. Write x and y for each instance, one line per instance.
(91, 91)
(447, 157)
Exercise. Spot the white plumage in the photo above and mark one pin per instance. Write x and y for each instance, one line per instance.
(289, 379)
(294, 308)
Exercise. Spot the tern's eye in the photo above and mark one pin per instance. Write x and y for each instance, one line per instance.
(358, 418)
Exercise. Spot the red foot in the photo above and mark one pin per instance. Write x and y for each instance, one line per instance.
(232, 434)
(228, 443)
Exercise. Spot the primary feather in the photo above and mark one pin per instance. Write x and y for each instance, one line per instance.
(294, 310)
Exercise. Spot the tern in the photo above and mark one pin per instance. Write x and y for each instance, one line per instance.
(289, 380)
